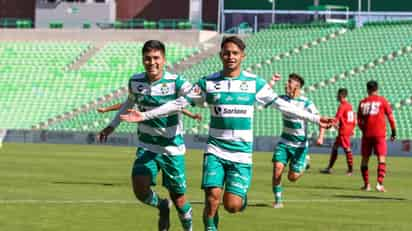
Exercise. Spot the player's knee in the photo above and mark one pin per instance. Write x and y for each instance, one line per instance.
(293, 177)
(232, 207)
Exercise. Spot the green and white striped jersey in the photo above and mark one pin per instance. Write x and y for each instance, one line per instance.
(295, 129)
(230, 101)
(162, 135)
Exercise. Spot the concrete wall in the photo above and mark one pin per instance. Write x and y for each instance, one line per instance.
(187, 37)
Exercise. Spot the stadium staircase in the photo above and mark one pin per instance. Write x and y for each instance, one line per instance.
(36, 83)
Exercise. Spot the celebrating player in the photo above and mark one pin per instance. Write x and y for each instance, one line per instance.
(371, 120)
(293, 145)
(230, 95)
(161, 145)
(345, 119)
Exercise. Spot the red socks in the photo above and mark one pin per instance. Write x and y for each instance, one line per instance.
(381, 172)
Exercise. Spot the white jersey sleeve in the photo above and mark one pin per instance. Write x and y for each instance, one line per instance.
(266, 96)
(125, 106)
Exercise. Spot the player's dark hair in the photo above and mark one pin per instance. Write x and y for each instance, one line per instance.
(233, 39)
(343, 92)
(372, 86)
(154, 45)
(298, 78)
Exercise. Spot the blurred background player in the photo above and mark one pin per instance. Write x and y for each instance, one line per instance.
(293, 145)
(160, 141)
(371, 121)
(345, 119)
(117, 107)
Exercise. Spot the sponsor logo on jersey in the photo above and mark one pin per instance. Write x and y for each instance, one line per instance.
(229, 111)
(217, 86)
(139, 88)
(243, 98)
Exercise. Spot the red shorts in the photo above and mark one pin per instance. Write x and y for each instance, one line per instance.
(342, 141)
(377, 144)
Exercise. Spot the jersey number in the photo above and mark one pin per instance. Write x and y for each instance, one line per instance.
(370, 108)
(351, 116)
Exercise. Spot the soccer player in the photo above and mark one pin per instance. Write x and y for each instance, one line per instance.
(371, 121)
(160, 141)
(230, 95)
(293, 145)
(345, 119)
(116, 107)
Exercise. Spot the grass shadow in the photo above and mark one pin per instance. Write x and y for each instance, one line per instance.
(84, 183)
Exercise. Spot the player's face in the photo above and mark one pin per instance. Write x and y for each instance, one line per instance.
(154, 61)
(231, 56)
(292, 87)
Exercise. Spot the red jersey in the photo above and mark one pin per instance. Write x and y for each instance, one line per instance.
(345, 117)
(371, 116)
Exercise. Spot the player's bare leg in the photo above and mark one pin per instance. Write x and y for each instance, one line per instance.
(143, 192)
(349, 161)
(210, 214)
(184, 210)
(381, 173)
(294, 176)
(365, 173)
(278, 168)
(233, 203)
(332, 159)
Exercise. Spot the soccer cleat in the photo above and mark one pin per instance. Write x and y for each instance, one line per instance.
(349, 173)
(380, 188)
(277, 205)
(326, 171)
(164, 215)
(366, 188)
(307, 167)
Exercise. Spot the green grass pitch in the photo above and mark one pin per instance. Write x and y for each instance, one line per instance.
(76, 188)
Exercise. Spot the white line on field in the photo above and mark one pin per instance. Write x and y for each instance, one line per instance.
(252, 202)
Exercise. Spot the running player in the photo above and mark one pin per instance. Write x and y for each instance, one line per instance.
(345, 119)
(230, 95)
(371, 120)
(160, 141)
(293, 145)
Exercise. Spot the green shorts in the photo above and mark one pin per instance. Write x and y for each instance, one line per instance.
(297, 156)
(218, 172)
(173, 169)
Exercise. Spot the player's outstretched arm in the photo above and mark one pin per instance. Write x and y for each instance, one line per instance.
(102, 136)
(292, 110)
(171, 107)
(197, 117)
(114, 107)
(275, 78)
(319, 141)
